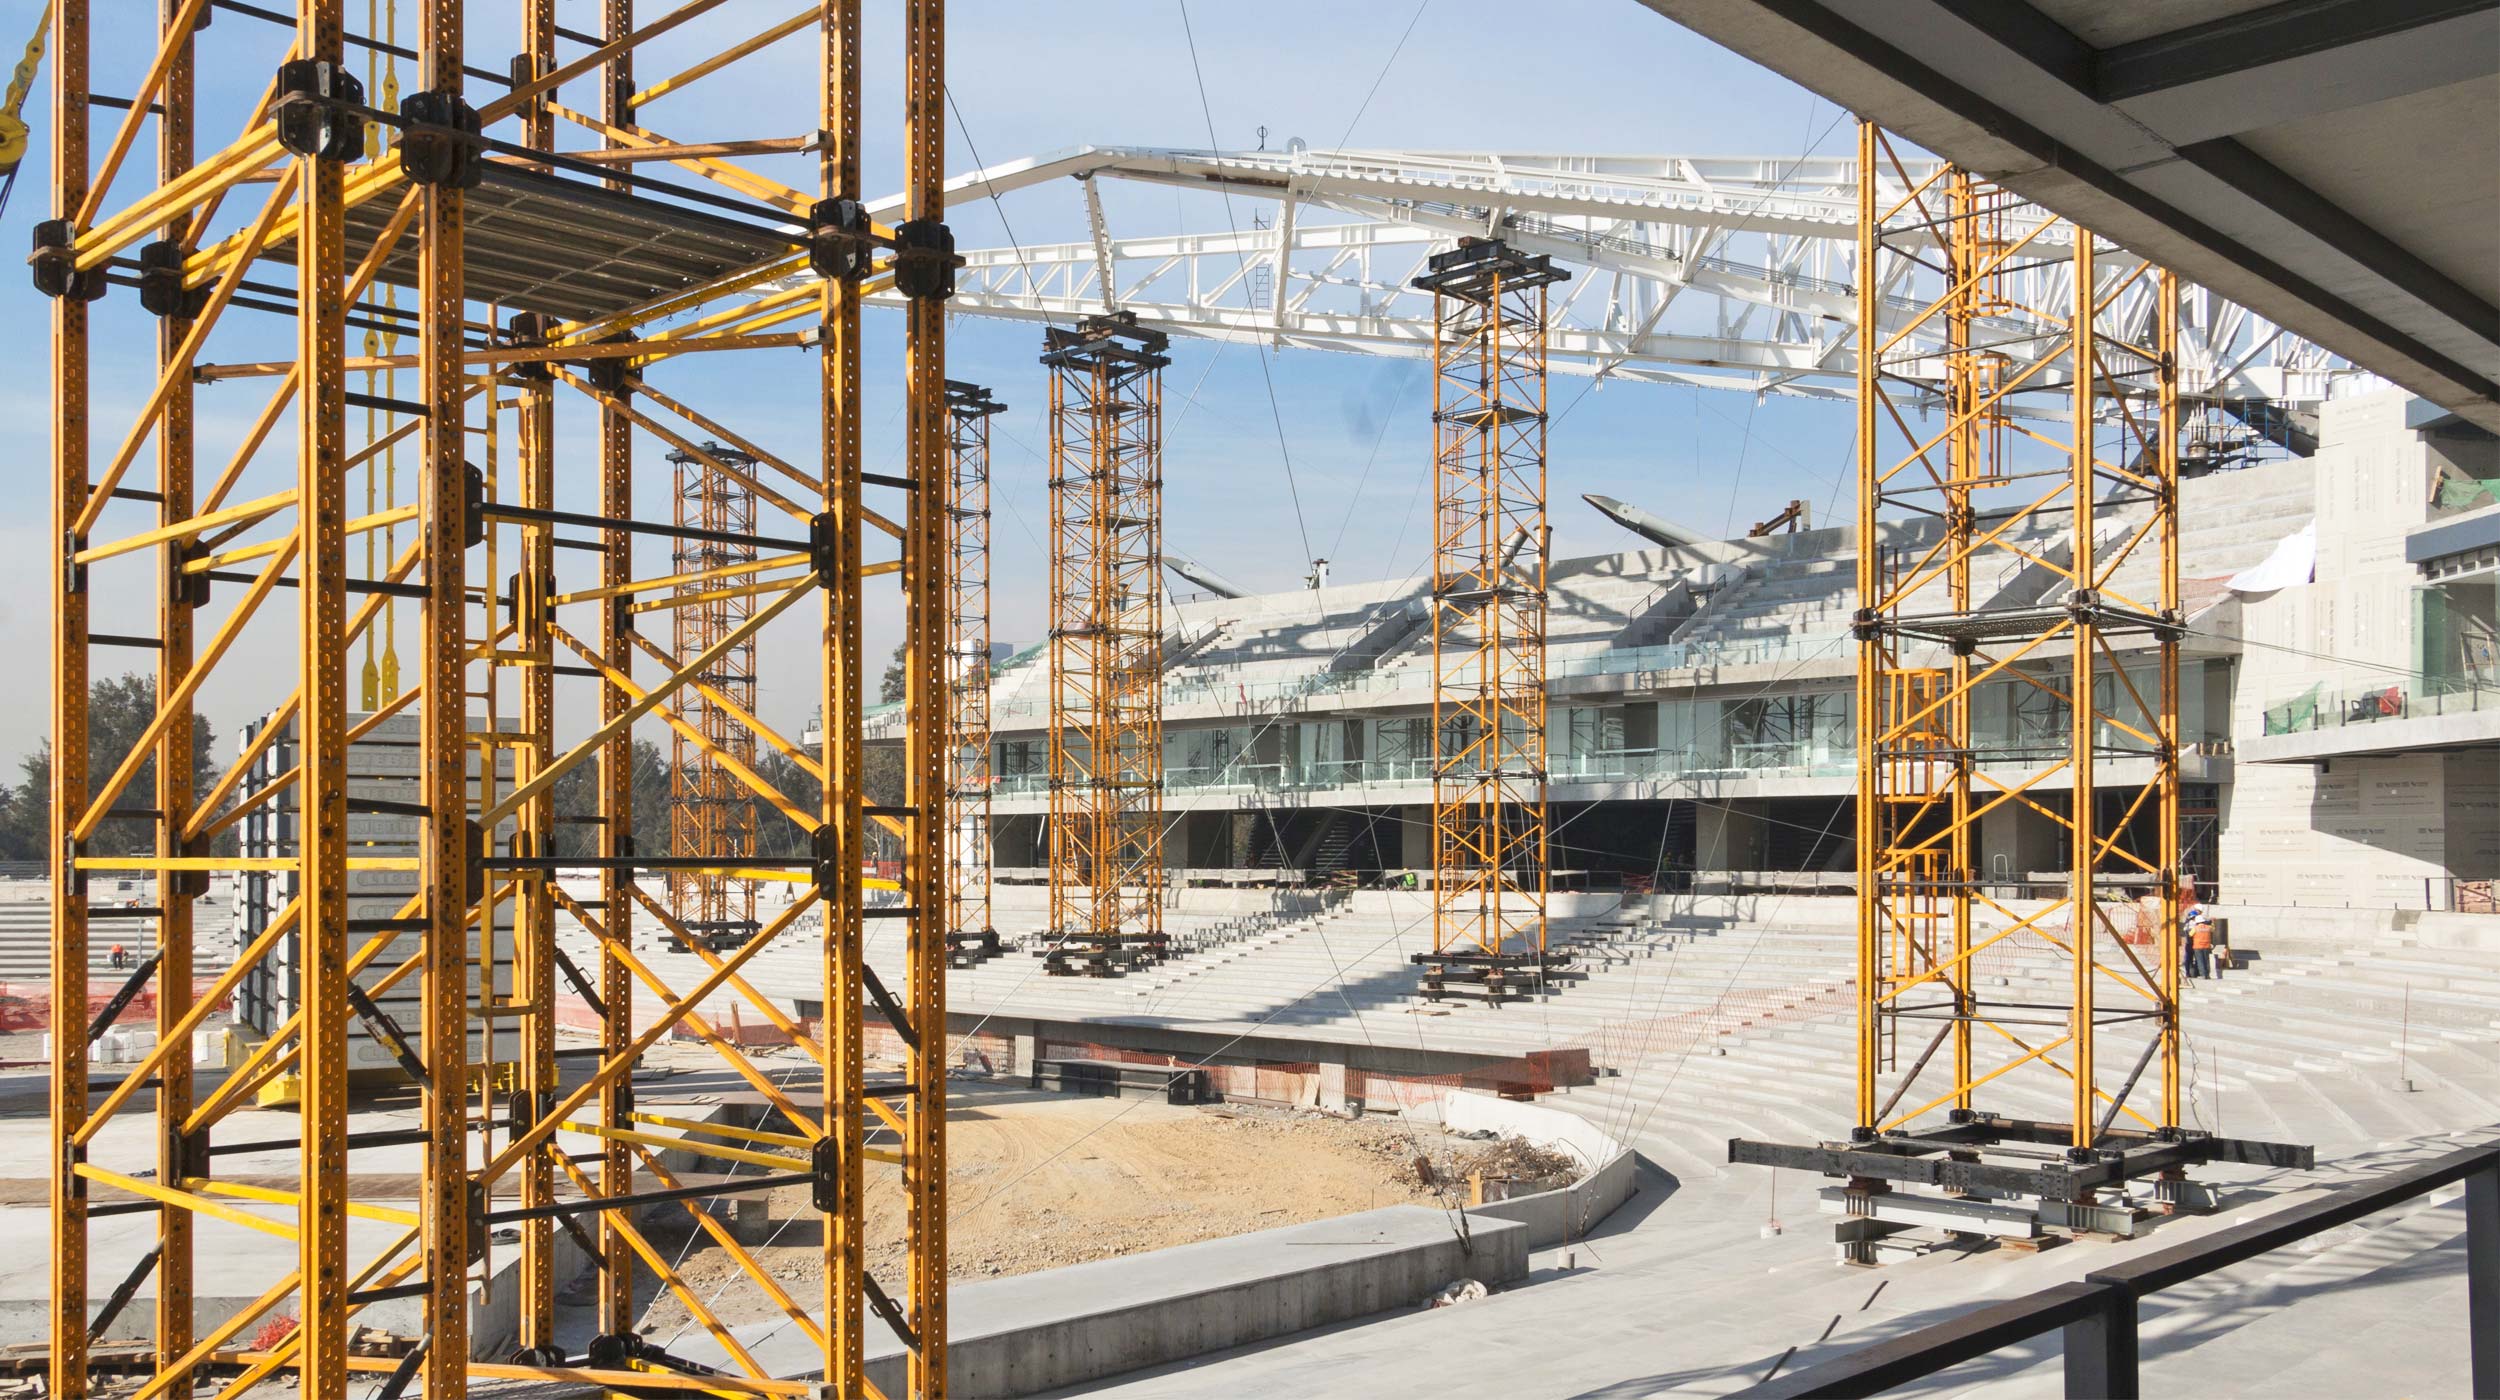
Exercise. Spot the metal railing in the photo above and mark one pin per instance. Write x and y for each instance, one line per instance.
(2324, 707)
(2097, 1314)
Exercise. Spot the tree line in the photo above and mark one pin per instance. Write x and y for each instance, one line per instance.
(119, 710)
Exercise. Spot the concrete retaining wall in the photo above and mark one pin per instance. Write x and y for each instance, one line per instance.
(1063, 1327)
(1566, 1213)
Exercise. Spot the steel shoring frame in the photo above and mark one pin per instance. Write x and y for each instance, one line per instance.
(971, 935)
(1927, 643)
(1490, 543)
(709, 812)
(1106, 645)
(350, 960)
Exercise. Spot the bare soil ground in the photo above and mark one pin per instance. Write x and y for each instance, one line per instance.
(1040, 1180)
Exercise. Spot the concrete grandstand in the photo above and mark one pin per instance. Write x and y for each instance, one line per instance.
(2340, 702)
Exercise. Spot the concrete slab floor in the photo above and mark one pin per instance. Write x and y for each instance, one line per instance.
(1680, 1303)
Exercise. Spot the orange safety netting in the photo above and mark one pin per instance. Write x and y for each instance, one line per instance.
(27, 1006)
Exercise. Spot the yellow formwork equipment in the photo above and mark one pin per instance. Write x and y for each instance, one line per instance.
(1106, 644)
(527, 673)
(2012, 465)
(971, 934)
(1490, 866)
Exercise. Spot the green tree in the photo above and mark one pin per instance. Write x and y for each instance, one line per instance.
(576, 794)
(118, 712)
(891, 686)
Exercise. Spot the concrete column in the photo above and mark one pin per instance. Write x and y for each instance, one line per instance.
(1415, 836)
(1728, 836)
(1028, 1054)
(1332, 1081)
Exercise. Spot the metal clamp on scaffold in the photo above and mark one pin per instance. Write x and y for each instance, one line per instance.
(314, 98)
(824, 1163)
(528, 330)
(55, 266)
(824, 555)
(439, 141)
(925, 260)
(472, 504)
(160, 281)
(838, 239)
(826, 868)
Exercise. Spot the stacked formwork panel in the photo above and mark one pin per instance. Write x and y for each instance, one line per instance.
(524, 577)
(710, 812)
(971, 934)
(1489, 857)
(1106, 646)
(2072, 434)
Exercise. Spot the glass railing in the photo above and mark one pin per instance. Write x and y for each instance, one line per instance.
(2335, 707)
(1619, 765)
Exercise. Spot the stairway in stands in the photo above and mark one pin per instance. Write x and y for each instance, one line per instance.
(26, 932)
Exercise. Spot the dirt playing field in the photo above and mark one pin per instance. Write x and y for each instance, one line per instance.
(1040, 1180)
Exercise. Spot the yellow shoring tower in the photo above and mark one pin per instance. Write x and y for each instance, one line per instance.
(1983, 471)
(1106, 645)
(710, 812)
(1490, 868)
(506, 605)
(971, 933)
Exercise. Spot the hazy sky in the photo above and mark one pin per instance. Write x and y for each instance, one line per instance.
(1604, 76)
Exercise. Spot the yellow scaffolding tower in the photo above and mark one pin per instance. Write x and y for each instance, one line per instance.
(2017, 533)
(1490, 866)
(524, 578)
(710, 812)
(971, 933)
(1106, 645)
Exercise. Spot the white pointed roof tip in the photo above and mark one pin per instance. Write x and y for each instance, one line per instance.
(1656, 529)
(1204, 577)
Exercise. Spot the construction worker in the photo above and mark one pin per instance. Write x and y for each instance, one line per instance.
(2196, 936)
(121, 956)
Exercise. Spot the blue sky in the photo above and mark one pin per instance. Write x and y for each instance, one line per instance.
(1605, 76)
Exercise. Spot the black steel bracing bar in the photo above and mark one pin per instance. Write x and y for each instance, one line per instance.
(886, 1309)
(581, 1237)
(402, 407)
(1915, 1070)
(533, 515)
(121, 1000)
(354, 585)
(560, 1209)
(362, 1296)
(354, 320)
(134, 1207)
(573, 974)
(125, 1291)
(383, 807)
(388, 1032)
(2118, 1100)
(406, 1371)
(123, 104)
(142, 911)
(359, 40)
(393, 1137)
(893, 1010)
